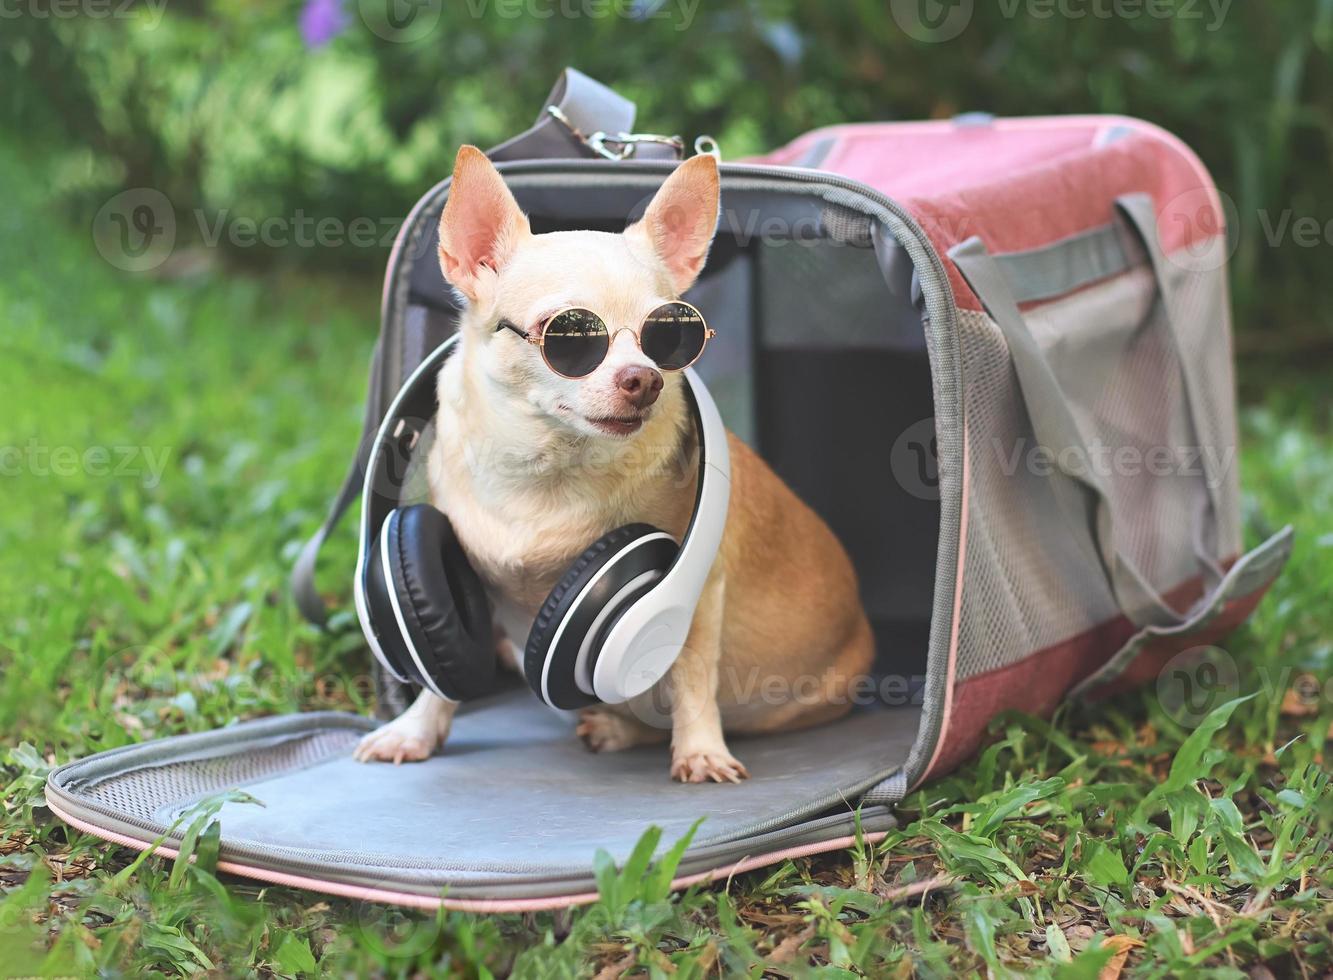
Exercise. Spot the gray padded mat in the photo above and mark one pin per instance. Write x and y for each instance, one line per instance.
(513, 806)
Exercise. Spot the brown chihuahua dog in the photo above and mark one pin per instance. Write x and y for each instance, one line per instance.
(530, 467)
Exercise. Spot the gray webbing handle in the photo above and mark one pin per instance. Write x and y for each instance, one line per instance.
(1140, 214)
(589, 107)
(584, 107)
(1056, 428)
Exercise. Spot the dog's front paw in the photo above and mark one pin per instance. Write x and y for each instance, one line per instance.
(699, 765)
(405, 739)
(606, 731)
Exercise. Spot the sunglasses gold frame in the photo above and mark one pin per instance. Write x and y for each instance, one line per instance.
(540, 341)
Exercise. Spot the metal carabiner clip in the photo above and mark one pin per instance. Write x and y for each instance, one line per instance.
(616, 146)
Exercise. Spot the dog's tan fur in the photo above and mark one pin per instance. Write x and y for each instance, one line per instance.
(528, 479)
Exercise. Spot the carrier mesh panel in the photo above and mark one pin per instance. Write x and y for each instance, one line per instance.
(797, 307)
(824, 356)
(1032, 578)
(144, 792)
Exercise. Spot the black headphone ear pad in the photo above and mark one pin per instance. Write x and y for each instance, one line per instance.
(379, 607)
(443, 602)
(557, 606)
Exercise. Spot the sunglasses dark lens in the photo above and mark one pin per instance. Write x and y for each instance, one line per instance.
(673, 336)
(575, 342)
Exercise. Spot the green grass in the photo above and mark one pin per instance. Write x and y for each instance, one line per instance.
(138, 605)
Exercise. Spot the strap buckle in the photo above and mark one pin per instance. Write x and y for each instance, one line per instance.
(616, 146)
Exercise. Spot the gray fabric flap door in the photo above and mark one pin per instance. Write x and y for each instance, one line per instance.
(512, 810)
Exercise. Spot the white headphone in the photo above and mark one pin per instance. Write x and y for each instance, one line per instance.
(610, 629)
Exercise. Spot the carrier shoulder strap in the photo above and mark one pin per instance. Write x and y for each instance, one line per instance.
(585, 111)
(1056, 427)
(307, 597)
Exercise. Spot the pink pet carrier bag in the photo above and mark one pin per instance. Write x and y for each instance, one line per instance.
(994, 354)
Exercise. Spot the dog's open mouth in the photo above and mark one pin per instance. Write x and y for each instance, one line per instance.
(617, 426)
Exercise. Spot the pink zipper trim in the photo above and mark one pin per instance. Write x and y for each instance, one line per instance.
(394, 897)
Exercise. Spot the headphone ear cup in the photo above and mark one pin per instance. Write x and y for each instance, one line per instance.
(616, 569)
(442, 602)
(378, 583)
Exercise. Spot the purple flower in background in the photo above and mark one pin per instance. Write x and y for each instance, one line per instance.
(322, 21)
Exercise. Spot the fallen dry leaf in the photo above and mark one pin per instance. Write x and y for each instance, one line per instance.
(1301, 700)
(615, 968)
(785, 951)
(1108, 747)
(1079, 936)
(1122, 946)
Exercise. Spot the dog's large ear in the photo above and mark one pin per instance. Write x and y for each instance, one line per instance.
(481, 224)
(681, 220)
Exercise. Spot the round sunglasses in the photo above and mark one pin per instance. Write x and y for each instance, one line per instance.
(575, 341)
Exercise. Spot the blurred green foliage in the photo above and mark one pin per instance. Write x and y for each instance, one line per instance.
(223, 106)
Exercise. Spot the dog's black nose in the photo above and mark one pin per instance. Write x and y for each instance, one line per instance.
(639, 385)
